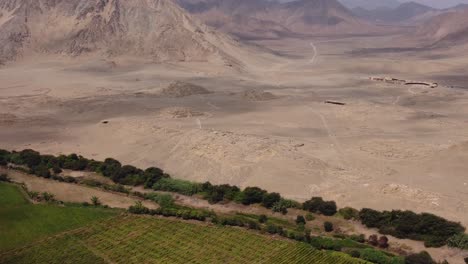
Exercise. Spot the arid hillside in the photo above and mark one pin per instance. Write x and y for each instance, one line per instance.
(447, 29)
(158, 30)
(261, 18)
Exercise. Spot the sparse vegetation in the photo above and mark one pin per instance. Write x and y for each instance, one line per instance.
(433, 230)
(158, 180)
(318, 205)
(328, 226)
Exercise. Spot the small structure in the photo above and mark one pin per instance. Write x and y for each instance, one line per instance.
(334, 102)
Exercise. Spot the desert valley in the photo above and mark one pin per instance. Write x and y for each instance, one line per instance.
(307, 98)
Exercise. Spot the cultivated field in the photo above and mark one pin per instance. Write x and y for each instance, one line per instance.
(131, 239)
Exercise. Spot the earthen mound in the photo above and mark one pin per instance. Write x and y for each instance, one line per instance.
(183, 89)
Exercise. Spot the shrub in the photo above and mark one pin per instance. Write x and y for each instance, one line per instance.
(95, 201)
(373, 240)
(138, 208)
(328, 226)
(379, 257)
(358, 238)
(280, 207)
(252, 195)
(458, 241)
(269, 199)
(383, 242)
(349, 213)
(262, 219)
(310, 217)
(419, 258)
(354, 253)
(318, 205)
(300, 220)
(164, 200)
(433, 230)
(253, 225)
(4, 178)
(466, 260)
(176, 185)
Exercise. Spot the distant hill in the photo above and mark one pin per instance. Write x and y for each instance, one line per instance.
(370, 4)
(155, 29)
(261, 18)
(447, 29)
(403, 13)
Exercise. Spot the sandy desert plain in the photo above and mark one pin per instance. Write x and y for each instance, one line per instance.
(263, 123)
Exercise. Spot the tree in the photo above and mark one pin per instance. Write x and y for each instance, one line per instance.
(30, 157)
(317, 204)
(328, 208)
(252, 195)
(110, 167)
(313, 204)
(383, 242)
(373, 240)
(95, 201)
(300, 220)
(269, 199)
(328, 226)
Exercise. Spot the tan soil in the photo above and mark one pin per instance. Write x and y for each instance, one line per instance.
(67, 192)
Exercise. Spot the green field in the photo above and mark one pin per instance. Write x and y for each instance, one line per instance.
(56, 234)
(22, 222)
(135, 239)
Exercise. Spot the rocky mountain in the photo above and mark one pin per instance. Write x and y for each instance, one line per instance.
(261, 18)
(370, 4)
(155, 29)
(447, 29)
(406, 12)
(237, 17)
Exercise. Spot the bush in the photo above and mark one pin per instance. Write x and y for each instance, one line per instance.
(269, 199)
(164, 200)
(318, 205)
(328, 226)
(383, 242)
(379, 257)
(466, 260)
(176, 185)
(373, 240)
(300, 220)
(354, 253)
(458, 241)
(433, 230)
(218, 193)
(262, 219)
(419, 258)
(252, 195)
(310, 217)
(349, 213)
(358, 238)
(280, 207)
(138, 208)
(4, 178)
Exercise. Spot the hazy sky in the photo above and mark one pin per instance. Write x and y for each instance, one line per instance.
(433, 3)
(440, 3)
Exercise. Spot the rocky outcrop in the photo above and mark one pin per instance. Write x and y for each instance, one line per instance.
(155, 29)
